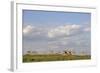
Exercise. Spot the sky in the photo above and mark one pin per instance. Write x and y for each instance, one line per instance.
(47, 31)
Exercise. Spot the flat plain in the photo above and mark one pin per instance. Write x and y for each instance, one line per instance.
(53, 57)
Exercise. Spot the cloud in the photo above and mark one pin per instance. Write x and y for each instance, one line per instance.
(28, 29)
(65, 30)
(57, 38)
(60, 31)
(33, 31)
(87, 29)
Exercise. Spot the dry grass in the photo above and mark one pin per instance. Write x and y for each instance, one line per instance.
(53, 57)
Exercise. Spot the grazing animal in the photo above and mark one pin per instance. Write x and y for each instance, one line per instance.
(70, 53)
(67, 52)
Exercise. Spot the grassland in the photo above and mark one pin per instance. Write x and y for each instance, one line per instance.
(53, 57)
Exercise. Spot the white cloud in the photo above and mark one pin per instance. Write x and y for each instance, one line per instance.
(28, 29)
(33, 31)
(87, 29)
(56, 38)
(63, 30)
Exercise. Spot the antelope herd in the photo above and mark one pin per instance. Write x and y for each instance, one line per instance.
(67, 53)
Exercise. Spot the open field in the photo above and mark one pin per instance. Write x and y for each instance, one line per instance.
(53, 57)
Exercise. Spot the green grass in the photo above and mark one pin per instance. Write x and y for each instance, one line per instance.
(54, 57)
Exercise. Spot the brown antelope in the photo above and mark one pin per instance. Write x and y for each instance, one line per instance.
(68, 52)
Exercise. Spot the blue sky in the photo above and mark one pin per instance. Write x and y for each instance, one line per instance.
(58, 31)
(46, 18)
